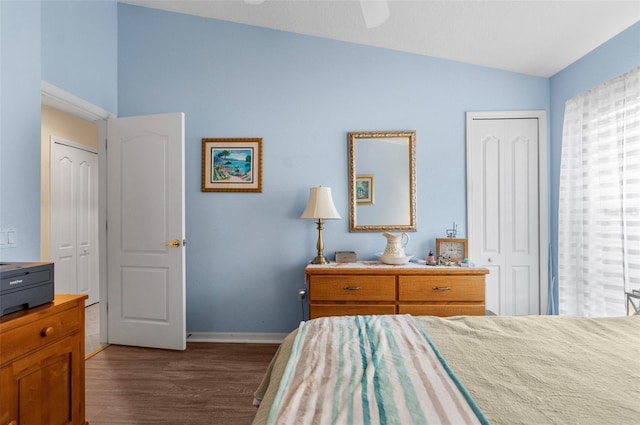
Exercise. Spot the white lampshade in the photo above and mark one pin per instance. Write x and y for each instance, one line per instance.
(320, 205)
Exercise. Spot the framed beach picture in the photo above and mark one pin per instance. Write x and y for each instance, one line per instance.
(232, 165)
(365, 190)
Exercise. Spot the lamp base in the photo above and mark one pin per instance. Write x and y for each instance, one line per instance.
(320, 260)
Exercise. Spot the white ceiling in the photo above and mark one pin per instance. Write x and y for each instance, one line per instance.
(533, 37)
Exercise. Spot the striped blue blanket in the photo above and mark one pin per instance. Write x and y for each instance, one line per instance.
(369, 370)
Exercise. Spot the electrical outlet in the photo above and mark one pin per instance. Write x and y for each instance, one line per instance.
(302, 294)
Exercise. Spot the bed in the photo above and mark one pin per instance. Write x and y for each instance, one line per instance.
(509, 370)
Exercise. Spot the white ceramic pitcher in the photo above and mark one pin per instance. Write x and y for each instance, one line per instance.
(395, 244)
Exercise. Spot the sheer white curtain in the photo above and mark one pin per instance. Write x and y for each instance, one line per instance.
(599, 200)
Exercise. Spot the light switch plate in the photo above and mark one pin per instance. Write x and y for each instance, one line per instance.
(8, 237)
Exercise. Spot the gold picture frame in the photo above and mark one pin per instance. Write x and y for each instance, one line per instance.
(390, 157)
(232, 165)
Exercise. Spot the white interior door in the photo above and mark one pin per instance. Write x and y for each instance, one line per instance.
(74, 219)
(506, 212)
(145, 213)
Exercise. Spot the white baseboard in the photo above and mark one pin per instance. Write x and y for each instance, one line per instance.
(234, 337)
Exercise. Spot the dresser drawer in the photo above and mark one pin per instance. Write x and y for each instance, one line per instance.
(441, 288)
(442, 310)
(352, 288)
(369, 288)
(36, 334)
(323, 310)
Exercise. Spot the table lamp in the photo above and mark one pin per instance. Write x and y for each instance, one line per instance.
(320, 207)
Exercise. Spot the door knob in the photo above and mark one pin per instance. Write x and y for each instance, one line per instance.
(174, 243)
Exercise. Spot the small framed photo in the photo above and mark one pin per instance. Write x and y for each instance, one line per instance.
(365, 189)
(232, 165)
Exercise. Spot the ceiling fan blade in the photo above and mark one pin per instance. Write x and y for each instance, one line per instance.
(375, 12)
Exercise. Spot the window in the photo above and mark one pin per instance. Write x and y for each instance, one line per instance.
(599, 200)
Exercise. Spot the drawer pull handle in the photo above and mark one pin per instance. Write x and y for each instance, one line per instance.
(352, 288)
(13, 423)
(47, 332)
(441, 288)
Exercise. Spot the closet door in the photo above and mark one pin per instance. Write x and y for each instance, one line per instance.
(504, 210)
(74, 219)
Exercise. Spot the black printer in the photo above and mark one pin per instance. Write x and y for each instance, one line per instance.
(25, 285)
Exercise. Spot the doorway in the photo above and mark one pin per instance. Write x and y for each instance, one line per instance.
(79, 108)
(69, 117)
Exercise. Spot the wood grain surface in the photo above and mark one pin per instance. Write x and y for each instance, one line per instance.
(208, 383)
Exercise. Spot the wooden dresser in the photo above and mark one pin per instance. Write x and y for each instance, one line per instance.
(370, 287)
(42, 364)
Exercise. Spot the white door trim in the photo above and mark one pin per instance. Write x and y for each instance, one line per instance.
(70, 103)
(543, 187)
(67, 102)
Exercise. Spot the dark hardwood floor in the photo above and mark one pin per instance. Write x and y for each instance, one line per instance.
(207, 383)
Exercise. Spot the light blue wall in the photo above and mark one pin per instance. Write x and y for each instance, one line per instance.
(79, 49)
(20, 127)
(246, 252)
(611, 59)
(71, 45)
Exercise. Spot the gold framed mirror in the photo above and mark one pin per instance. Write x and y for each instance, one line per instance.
(382, 181)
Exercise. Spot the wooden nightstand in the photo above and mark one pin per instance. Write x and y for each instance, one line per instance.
(42, 364)
(370, 287)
